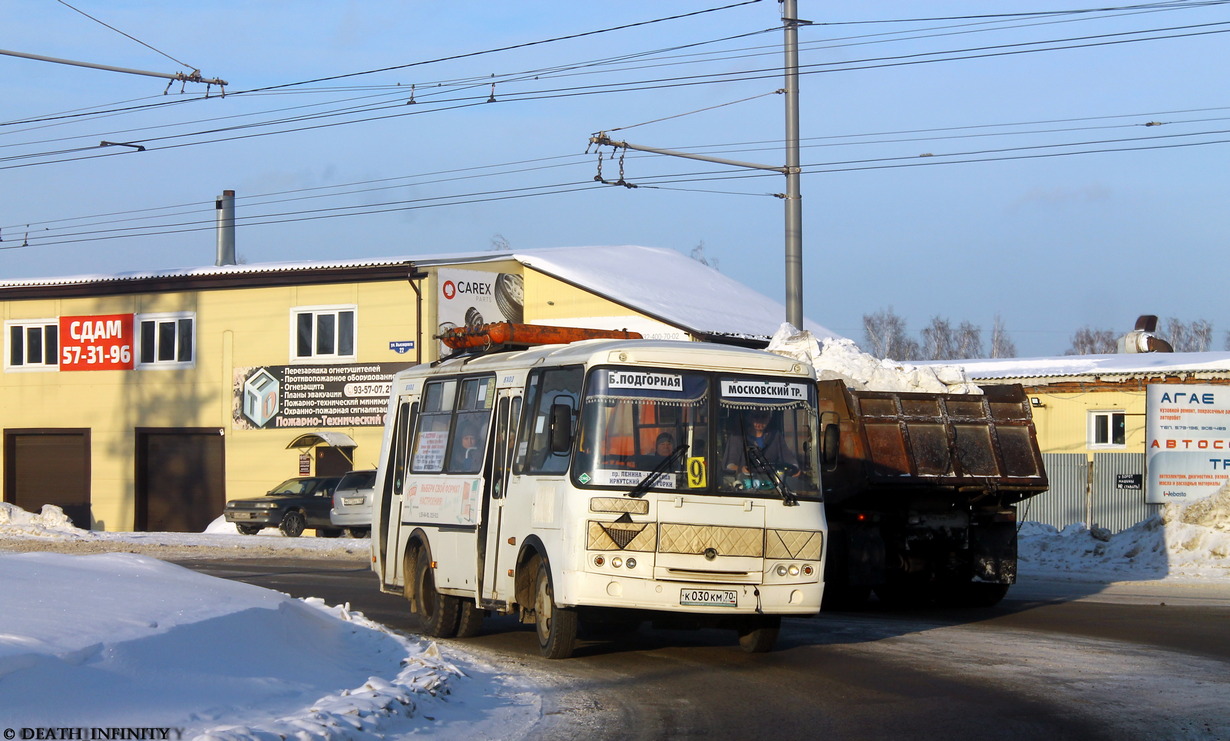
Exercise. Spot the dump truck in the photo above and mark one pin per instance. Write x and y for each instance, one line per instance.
(921, 492)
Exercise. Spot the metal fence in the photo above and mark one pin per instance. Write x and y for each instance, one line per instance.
(1107, 492)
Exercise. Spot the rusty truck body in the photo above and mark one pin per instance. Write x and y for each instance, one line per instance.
(921, 492)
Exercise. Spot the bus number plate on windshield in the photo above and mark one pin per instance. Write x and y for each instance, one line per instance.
(713, 597)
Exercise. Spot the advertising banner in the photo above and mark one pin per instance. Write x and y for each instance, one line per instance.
(1187, 449)
(101, 342)
(472, 298)
(278, 396)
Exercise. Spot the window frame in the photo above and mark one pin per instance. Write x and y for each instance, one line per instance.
(176, 318)
(26, 325)
(1092, 432)
(317, 313)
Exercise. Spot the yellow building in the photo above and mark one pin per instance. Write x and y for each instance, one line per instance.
(144, 401)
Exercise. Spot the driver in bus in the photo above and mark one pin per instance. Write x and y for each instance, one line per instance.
(770, 443)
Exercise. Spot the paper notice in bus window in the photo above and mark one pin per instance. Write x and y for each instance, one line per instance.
(429, 455)
(617, 477)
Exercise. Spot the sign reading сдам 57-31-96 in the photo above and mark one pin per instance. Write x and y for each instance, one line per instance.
(100, 342)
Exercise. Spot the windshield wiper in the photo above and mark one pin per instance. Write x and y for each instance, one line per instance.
(757, 462)
(663, 466)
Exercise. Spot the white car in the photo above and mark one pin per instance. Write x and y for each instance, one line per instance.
(352, 504)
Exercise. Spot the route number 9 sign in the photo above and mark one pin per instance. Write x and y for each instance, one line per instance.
(96, 342)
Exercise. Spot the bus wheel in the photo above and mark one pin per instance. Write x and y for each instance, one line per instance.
(470, 620)
(758, 634)
(439, 612)
(557, 626)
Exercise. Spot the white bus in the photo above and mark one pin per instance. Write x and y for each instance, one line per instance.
(614, 482)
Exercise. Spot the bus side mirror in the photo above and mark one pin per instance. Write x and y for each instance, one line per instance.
(561, 428)
(830, 446)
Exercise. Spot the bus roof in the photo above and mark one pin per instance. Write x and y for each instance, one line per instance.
(664, 353)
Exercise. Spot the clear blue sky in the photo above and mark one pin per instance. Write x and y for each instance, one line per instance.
(1093, 237)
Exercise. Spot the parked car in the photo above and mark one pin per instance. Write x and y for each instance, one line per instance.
(352, 504)
(292, 506)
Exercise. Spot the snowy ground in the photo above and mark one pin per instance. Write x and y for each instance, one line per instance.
(125, 640)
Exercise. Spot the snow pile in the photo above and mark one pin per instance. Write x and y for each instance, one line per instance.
(122, 640)
(50, 521)
(839, 358)
(51, 524)
(1181, 540)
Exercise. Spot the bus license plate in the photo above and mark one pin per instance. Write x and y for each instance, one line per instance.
(709, 597)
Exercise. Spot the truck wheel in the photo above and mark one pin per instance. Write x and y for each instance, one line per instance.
(293, 524)
(470, 619)
(556, 626)
(249, 529)
(439, 612)
(758, 634)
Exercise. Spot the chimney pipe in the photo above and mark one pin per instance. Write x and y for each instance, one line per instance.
(225, 207)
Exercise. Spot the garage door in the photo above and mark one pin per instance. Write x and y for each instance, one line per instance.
(181, 482)
(49, 466)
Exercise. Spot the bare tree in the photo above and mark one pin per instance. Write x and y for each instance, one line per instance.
(698, 254)
(938, 342)
(1088, 341)
(886, 337)
(969, 341)
(1196, 336)
(499, 243)
(1002, 346)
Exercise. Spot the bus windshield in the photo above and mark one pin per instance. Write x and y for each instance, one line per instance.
(658, 429)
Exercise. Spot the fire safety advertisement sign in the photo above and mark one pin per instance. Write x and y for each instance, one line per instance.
(1187, 451)
(278, 396)
(99, 342)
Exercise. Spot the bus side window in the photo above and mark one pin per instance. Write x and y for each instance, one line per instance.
(431, 436)
(547, 388)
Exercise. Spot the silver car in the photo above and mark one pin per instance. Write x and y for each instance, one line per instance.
(352, 504)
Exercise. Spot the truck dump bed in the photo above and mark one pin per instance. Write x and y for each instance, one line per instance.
(909, 441)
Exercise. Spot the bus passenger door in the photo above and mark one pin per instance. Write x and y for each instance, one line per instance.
(495, 489)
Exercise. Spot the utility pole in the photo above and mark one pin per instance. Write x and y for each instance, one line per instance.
(794, 195)
(792, 169)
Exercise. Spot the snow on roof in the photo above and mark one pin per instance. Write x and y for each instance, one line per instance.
(661, 283)
(1096, 366)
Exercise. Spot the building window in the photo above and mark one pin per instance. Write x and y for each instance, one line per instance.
(33, 345)
(166, 340)
(1108, 429)
(323, 333)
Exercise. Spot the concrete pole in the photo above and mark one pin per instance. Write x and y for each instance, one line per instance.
(794, 202)
(225, 208)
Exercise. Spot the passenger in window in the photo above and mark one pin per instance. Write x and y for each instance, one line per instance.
(662, 449)
(468, 457)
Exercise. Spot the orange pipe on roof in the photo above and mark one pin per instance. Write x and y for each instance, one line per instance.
(507, 333)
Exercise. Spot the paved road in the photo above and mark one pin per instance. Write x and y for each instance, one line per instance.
(1055, 660)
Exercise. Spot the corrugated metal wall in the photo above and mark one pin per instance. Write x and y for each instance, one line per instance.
(1084, 492)
(1117, 508)
(1066, 501)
